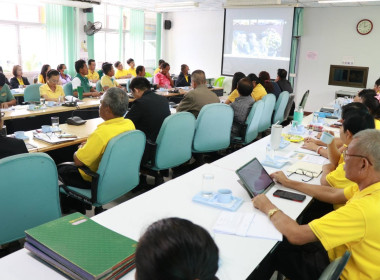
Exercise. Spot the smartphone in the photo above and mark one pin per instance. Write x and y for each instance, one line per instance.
(289, 195)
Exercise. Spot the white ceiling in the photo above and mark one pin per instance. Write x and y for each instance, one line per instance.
(220, 4)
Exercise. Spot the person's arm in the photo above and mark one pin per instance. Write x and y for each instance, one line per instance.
(227, 101)
(11, 101)
(322, 193)
(295, 233)
(136, 113)
(170, 79)
(333, 153)
(76, 159)
(311, 146)
(14, 83)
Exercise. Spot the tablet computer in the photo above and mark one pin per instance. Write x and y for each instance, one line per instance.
(254, 177)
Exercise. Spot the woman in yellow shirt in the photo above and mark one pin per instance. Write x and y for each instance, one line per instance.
(52, 91)
(42, 76)
(258, 90)
(121, 73)
(370, 99)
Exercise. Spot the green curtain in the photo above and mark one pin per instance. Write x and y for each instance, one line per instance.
(158, 36)
(54, 38)
(136, 37)
(69, 38)
(90, 39)
(297, 33)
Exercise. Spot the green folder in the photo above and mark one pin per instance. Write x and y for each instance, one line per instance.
(82, 245)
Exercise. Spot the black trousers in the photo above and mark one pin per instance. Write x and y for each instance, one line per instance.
(295, 262)
(71, 177)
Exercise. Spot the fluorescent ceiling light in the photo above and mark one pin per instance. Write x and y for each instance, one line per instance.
(344, 1)
(175, 5)
(67, 3)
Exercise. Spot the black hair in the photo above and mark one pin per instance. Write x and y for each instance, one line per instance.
(130, 60)
(140, 83)
(176, 249)
(60, 66)
(106, 67)
(117, 63)
(139, 69)
(183, 67)
(52, 72)
(2, 79)
(369, 99)
(236, 78)
(281, 73)
(377, 83)
(265, 81)
(90, 61)
(79, 64)
(164, 65)
(1, 70)
(44, 71)
(354, 107)
(245, 87)
(160, 62)
(355, 122)
(254, 78)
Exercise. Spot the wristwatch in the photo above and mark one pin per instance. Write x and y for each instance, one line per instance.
(271, 212)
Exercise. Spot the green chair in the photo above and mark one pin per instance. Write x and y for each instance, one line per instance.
(118, 171)
(279, 109)
(213, 128)
(100, 72)
(32, 93)
(266, 118)
(251, 125)
(68, 89)
(173, 144)
(219, 82)
(335, 268)
(99, 86)
(127, 84)
(148, 75)
(30, 198)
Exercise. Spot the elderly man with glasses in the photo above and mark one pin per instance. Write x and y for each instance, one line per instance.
(354, 227)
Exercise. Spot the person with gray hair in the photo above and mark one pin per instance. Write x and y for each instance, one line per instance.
(195, 99)
(354, 227)
(113, 106)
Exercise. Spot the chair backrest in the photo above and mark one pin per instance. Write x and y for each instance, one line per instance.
(148, 75)
(150, 79)
(289, 106)
(335, 268)
(174, 140)
(279, 109)
(119, 168)
(304, 99)
(252, 122)
(213, 128)
(99, 86)
(100, 73)
(266, 118)
(32, 93)
(127, 84)
(219, 82)
(68, 89)
(28, 200)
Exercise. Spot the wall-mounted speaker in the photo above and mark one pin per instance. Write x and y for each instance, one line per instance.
(167, 24)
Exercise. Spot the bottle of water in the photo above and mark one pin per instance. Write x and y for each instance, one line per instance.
(337, 109)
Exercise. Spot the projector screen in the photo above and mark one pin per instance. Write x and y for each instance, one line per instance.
(257, 39)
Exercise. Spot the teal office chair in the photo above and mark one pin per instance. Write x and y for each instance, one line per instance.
(68, 89)
(213, 128)
(30, 199)
(266, 118)
(100, 72)
(32, 93)
(304, 99)
(99, 86)
(279, 109)
(335, 268)
(288, 107)
(127, 84)
(173, 144)
(219, 82)
(251, 125)
(118, 171)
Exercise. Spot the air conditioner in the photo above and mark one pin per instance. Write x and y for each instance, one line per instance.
(95, 2)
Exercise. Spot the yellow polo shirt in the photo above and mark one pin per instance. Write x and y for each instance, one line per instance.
(377, 124)
(121, 73)
(156, 71)
(92, 76)
(41, 79)
(46, 90)
(132, 72)
(107, 81)
(257, 94)
(354, 227)
(91, 153)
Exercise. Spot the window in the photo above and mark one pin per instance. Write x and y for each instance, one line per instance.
(348, 76)
(150, 39)
(22, 24)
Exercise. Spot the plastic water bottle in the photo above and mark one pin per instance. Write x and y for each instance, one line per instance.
(298, 115)
(337, 109)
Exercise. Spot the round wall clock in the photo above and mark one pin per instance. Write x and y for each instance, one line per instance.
(364, 26)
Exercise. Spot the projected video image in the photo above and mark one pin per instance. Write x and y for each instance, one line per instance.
(264, 41)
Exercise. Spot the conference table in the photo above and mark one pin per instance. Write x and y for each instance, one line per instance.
(238, 255)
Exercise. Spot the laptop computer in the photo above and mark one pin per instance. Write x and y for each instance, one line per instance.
(254, 177)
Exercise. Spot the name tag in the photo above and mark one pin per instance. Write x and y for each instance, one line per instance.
(4, 94)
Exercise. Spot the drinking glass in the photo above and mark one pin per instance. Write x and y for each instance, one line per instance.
(55, 123)
(207, 185)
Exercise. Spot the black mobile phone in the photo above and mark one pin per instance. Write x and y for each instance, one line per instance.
(289, 195)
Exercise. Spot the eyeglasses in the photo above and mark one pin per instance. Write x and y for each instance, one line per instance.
(360, 156)
(311, 175)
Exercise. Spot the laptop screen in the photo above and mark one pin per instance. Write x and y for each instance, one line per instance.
(255, 179)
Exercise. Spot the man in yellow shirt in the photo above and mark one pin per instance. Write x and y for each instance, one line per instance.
(140, 71)
(121, 73)
(354, 227)
(52, 91)
(92, 75)
(132, 69)
(113, 106)
(107, 80)
(160, 62)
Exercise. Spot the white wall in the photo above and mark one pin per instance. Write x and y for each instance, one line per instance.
(331, 33)
(195, 39)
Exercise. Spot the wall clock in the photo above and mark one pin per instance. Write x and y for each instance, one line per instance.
(364, 26)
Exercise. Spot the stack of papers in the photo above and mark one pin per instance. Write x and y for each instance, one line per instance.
(52, 138)
(247, 224)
